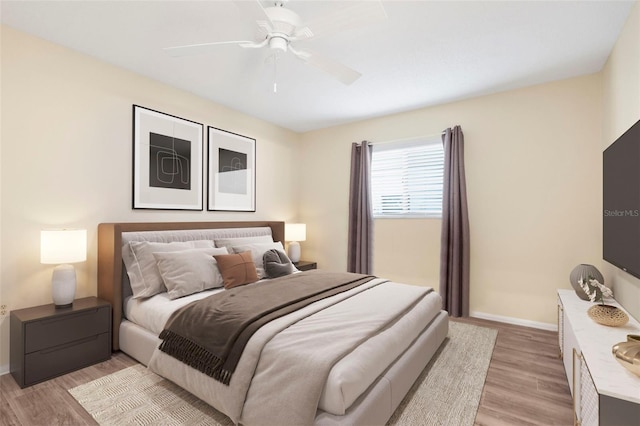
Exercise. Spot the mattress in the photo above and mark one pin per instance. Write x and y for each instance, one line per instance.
(351, 375)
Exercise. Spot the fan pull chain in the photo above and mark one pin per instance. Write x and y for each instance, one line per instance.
(275, 73)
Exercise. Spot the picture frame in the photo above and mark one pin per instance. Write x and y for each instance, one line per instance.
(231, 171)
(167, 161)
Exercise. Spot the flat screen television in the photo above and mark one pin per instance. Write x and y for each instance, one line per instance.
(621, 202)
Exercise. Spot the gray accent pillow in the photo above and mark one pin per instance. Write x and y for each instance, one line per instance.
(189, 271)
(276, 263)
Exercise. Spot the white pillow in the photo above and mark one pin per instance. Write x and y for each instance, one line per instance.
(189, 271)
(141, 265)
(230, 242)
(257, 252)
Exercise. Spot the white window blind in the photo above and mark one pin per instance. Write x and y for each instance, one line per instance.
(407, 178)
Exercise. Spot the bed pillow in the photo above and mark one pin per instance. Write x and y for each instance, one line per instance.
(276, 264)
(258, 250)
(141, 265)
(237, 269)
(189, 271)
(229, 242)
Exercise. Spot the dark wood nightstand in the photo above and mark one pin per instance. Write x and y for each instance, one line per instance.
(305, 265)
(47, 342)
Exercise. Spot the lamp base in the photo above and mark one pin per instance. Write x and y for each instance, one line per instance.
(68, 305)
(294, 251)
(63, 286)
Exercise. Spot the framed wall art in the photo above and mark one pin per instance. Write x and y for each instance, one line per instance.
(231, 171)
(167, 161)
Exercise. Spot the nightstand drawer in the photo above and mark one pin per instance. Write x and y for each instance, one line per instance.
(63, 329)
(48, 363)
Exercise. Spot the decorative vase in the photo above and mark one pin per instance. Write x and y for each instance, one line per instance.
(628, 353)
(608, 315)
(584, 271)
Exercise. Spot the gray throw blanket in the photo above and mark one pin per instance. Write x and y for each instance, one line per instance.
(210, 334)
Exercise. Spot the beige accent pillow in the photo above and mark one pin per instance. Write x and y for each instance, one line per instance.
(237, 269)
(257, 251)
(141, 265)
(189, 271)
(229, 242)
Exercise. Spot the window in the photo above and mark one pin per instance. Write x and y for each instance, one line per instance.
(407, 178)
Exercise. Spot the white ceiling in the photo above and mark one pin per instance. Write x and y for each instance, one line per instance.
(425, 53)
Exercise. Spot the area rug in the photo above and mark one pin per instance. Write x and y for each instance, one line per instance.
(446, 393)
(449, 389)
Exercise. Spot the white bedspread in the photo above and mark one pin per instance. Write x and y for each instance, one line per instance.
(347, 379)
(296, 361)
(350, 377)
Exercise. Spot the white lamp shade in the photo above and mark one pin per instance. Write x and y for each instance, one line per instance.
(295, 231)
(63, 246)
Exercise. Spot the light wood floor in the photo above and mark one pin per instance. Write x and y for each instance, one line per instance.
(525, 385)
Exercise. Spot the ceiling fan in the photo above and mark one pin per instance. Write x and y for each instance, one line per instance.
(280, 27)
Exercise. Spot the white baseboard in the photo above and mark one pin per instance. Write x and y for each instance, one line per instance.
(515, 321)
(4, 369)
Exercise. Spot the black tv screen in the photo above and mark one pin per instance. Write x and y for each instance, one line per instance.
(621, 202)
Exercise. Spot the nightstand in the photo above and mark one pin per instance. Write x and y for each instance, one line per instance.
(47, 342)
(305, 265)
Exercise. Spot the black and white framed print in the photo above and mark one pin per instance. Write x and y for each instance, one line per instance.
(231, 171)
(167, 161)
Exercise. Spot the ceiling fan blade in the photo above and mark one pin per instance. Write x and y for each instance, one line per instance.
(337, 70)
(198, 49)
(356, 15)
(254, 45)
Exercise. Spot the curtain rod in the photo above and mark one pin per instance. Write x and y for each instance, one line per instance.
(409, 139)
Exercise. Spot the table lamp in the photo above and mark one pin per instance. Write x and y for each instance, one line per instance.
(62, 247)
(293, 233)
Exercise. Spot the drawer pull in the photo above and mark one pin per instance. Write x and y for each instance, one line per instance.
(66, 318)
(68, 345)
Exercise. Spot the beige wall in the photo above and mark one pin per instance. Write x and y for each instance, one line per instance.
(66, 159)
(394, 238)
(621, 81)
(533, 159)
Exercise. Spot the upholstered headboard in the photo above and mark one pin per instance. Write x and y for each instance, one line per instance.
(113, 284)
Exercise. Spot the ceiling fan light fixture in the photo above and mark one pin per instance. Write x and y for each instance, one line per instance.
(278, 43)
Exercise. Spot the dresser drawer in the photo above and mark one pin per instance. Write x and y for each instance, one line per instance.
(63, 329)
(48, 363)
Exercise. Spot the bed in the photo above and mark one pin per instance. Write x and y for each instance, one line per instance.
(364, 386)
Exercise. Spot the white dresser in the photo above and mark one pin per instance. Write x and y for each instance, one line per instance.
(604, 392)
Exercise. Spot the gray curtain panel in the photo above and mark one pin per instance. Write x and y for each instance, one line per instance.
(454, 251)
(360, 251)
